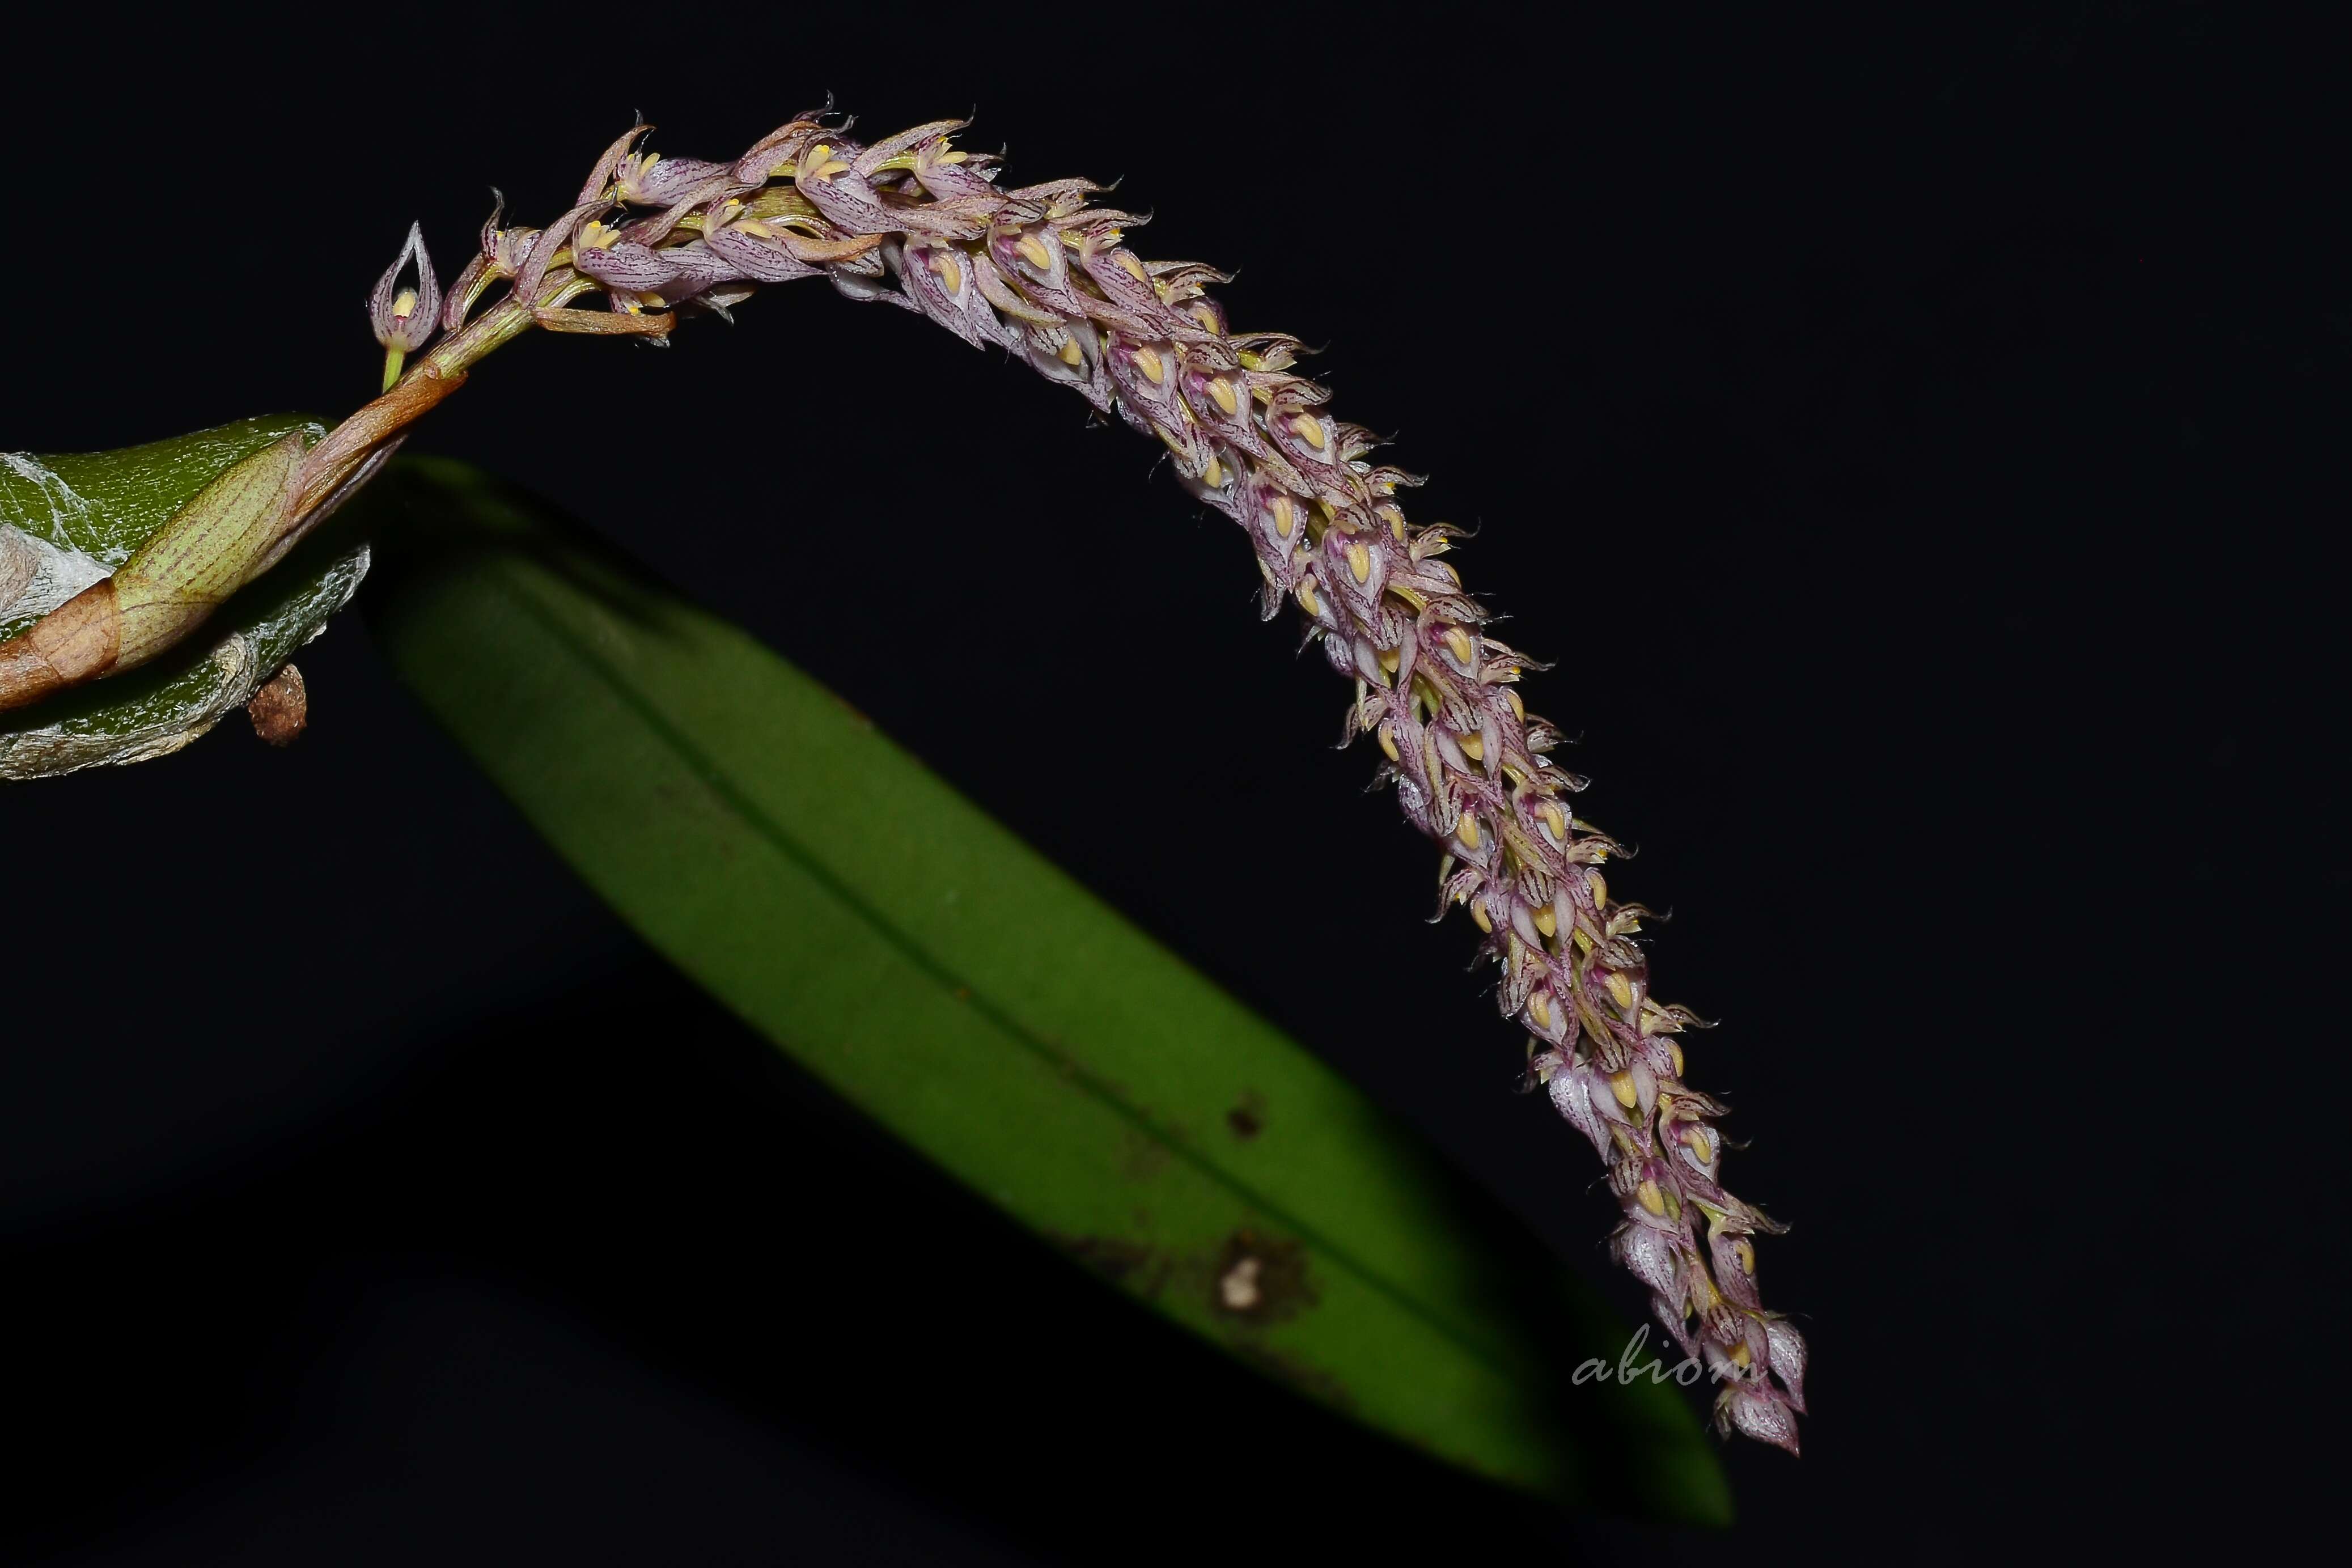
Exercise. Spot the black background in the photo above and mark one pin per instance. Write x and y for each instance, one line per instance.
(1912, 437)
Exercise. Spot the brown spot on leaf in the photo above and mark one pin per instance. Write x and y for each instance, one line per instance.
(1247, 1118)
(1142, 1156)
(1108, 1255)
(1261, 1280)
(1141, 1268)
(280, 710)
(1312, 1381)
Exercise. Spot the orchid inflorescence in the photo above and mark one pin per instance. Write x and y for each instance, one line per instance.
(1045, 273)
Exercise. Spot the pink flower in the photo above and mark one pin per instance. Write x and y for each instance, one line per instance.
(1046, 274)
(404, 317)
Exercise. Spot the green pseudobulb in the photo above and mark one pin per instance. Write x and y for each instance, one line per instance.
(68, 522)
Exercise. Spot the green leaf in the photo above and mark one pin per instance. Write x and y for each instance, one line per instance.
(945, 978)
(68, 522)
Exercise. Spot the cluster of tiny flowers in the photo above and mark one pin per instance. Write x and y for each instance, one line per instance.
(1044, 273)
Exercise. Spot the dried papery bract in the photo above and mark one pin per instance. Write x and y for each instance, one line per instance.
(1045, 273)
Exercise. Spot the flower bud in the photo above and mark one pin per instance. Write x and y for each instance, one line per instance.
(1650, 1257)
(1758, 1414)
(1787, 1348)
